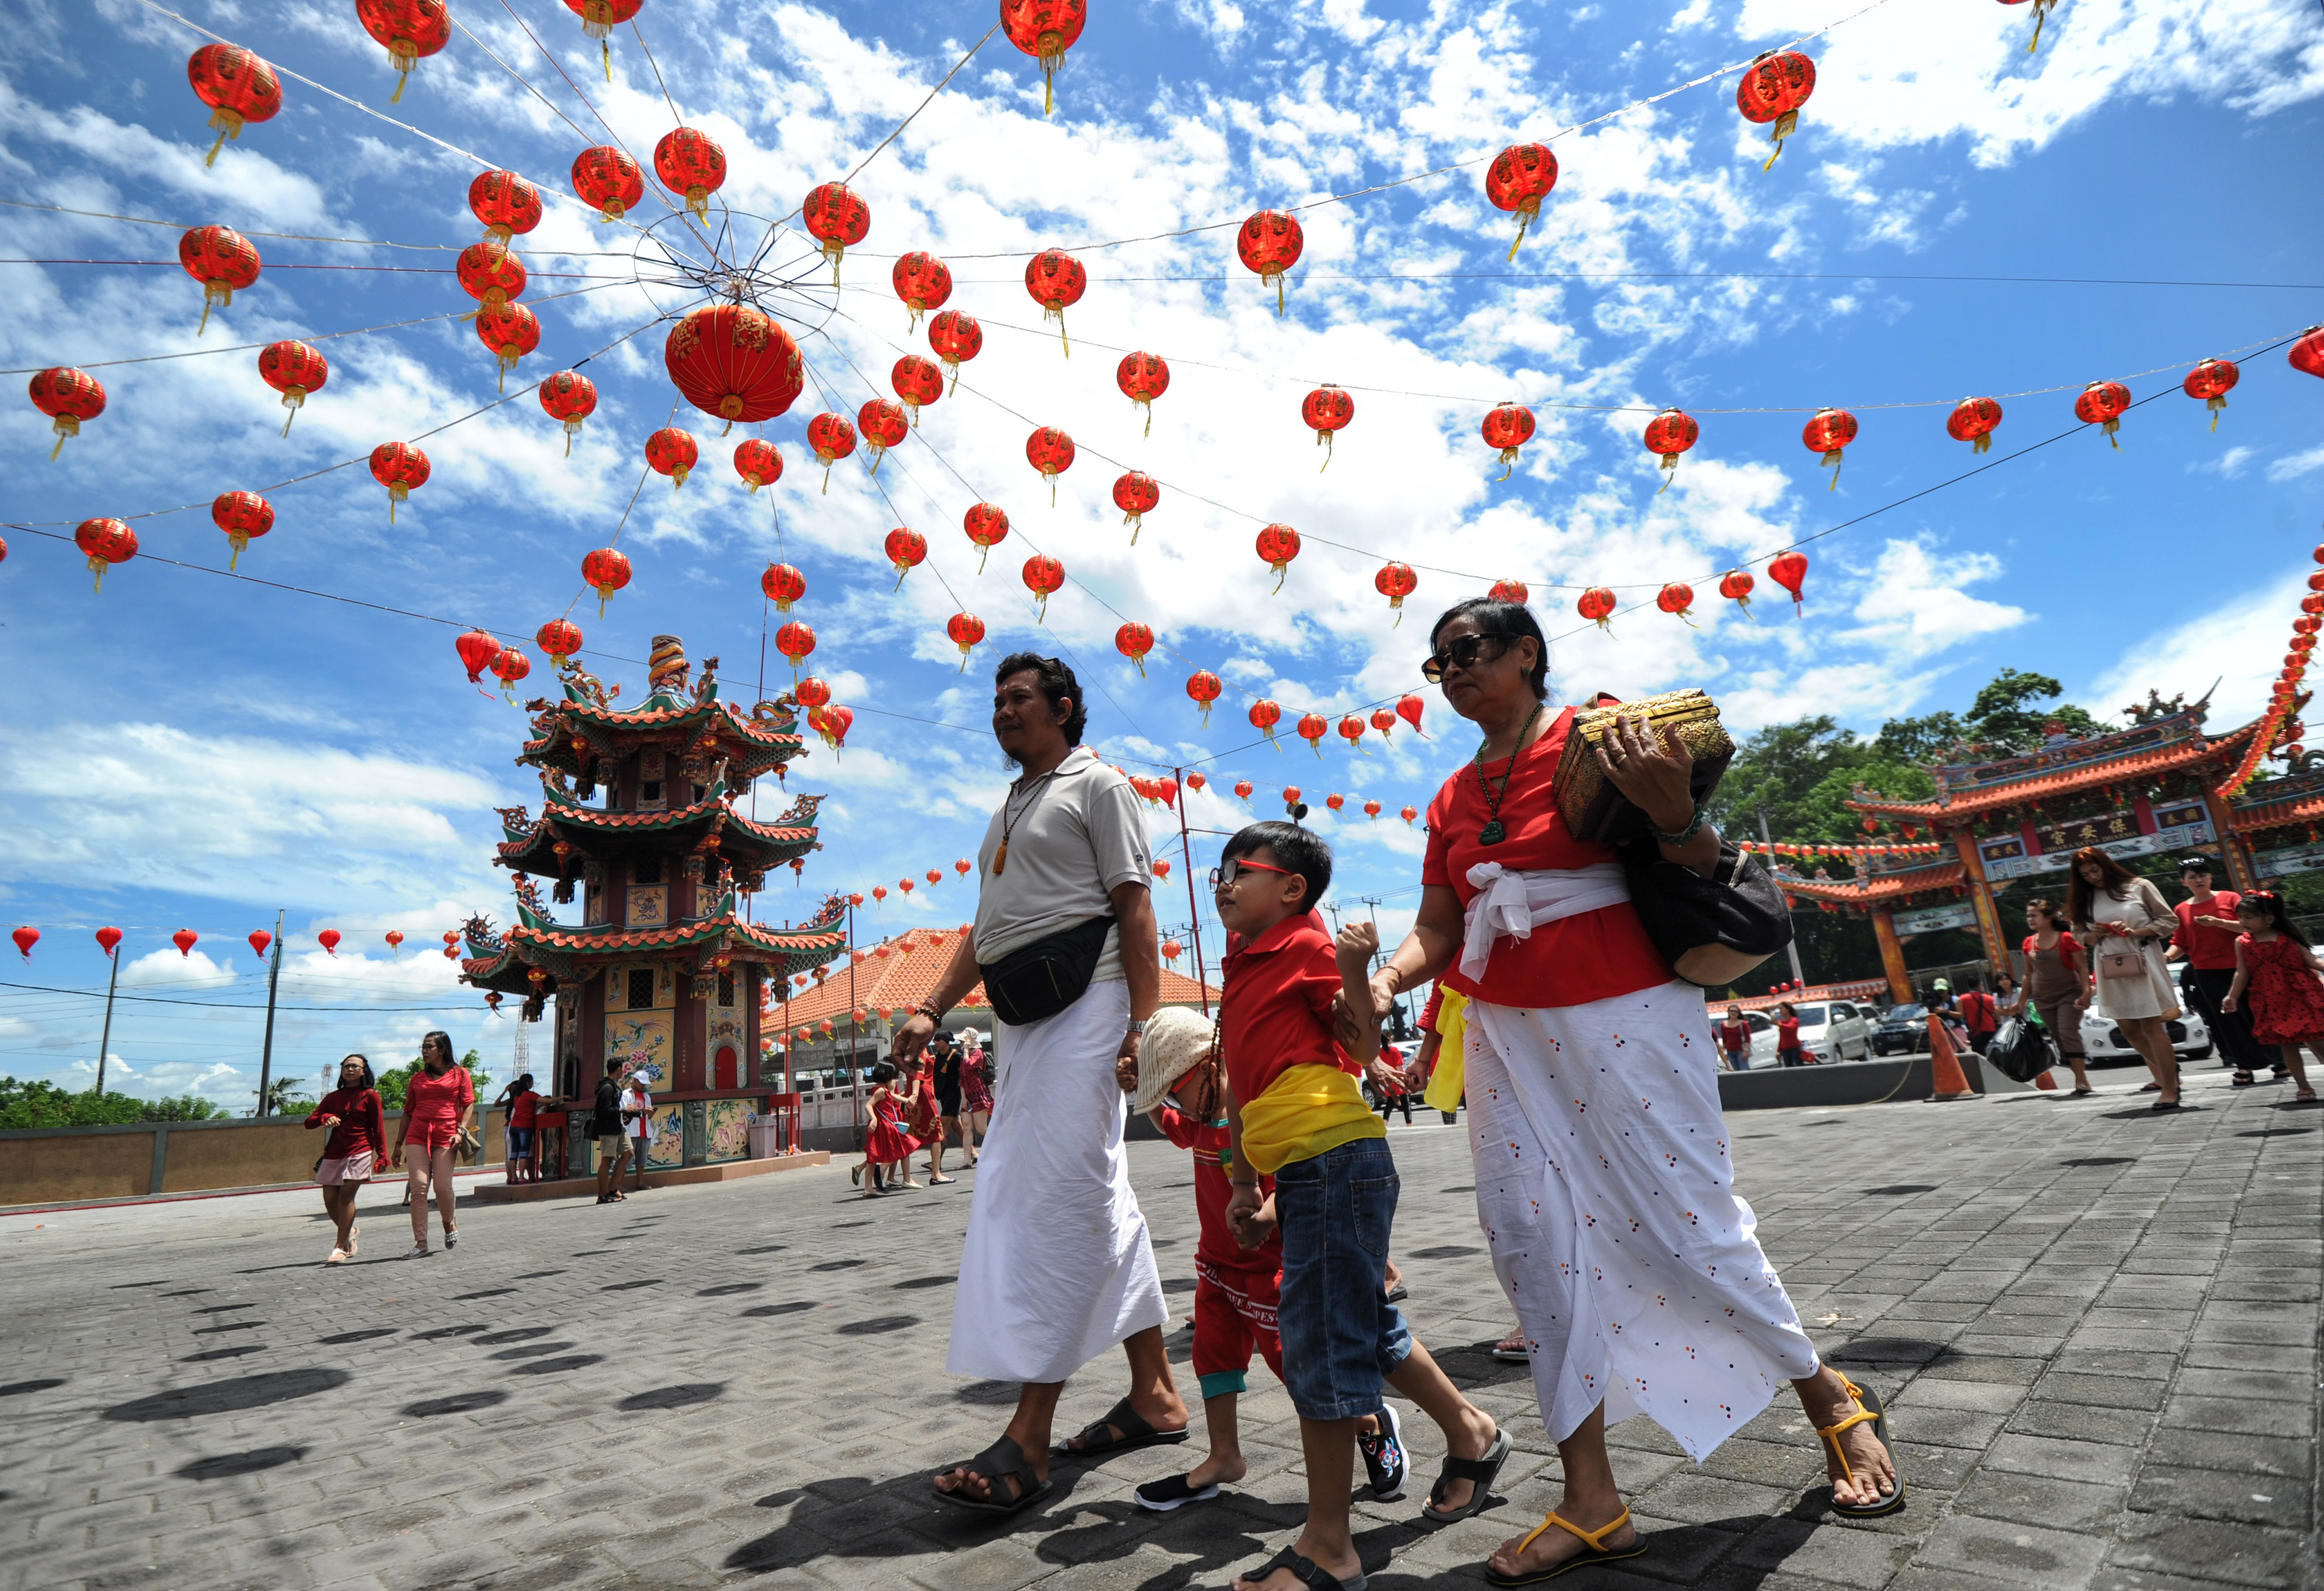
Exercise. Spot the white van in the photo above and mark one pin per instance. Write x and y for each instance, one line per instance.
(1830, 1030)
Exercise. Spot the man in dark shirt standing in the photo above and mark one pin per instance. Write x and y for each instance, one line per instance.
(612, 1142)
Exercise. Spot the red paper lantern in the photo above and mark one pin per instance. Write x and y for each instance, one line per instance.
(259, 940)
(1519, 179)
(1407, 814)
(1277, 546)
(1265, 714)
(236, 86)
(1829, 433)
(1372, 810)
(1508, 427)
(607, 570)
(1395, 582)
(394, 937)
(69, 395)
(1313, 728)
(760, 463)
(1134, 494)
(1597, 605)
(1409, 709)
(691, 164)
(1050, 450)
(477, 648)
(1270, 243)
(1326, 411)
(1511, 591)
(906, 549)
(1204, 687)
(1735, 585)
(293, 369)
(2306, 352)
(1335, 801)
(510, 667)
(883, 425)
(734, 362)
(1772, 88)
(569, 397)
(408, 30)
(1670, 433)
(811, 692)
(185, 940)
(1172, 949)
(104, 543)
(511, 332)
(608, 179)
(917, 380)
(1973, 421)
(783, 585)
(923, 282)
(106, 938)
(795, 641)
(1677, 597)
(2102, 403)
(1043, 575)
(674, 452)
(2211, 380)
(1384, 721)
(953, 337)
(966, 630)
(1790, 571)
(833, 439)
(1056, 281)
(1044, 30)
(244, 516)
(490, 274)
(987, 526)
(1243, 788)
(833, 729)
(400, 467)
(561, 638)
(1142, 378)
(1134, 641)
(1351, 730)
(505, 203)
(1196, 780)
(222, 260)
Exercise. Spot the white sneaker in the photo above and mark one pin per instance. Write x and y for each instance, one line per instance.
(451, 1239)
(338, 1257)
(416, 1251)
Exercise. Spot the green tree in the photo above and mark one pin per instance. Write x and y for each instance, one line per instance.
(2005, 717)
(34, 1104)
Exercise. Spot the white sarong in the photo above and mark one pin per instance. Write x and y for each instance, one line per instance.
(1512, 905)
(1605, 1187)
(1058, 1267)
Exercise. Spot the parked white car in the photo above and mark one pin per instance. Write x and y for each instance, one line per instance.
(2103, 1045)
(1830, 1030)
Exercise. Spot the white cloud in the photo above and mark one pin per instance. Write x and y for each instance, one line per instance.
(2219, 644)
(1914, 604)
(2294, 465)
(193, 968)
(2230, 464)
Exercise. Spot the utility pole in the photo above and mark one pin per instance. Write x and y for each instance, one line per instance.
(1791, 945)
(1380, 955)
(104, 1044)
(266, 1050)
(855, 1072)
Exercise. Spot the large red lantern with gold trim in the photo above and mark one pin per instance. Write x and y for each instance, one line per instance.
(833, 439)
(916, 382)
(1043, 575)
(923, 282)
(1597, 605)
(569, 397)
(953, 336)
(964, 630)
(837, 217)
(1044, 30)
(2103, 403)
(1519, 179)
(607, 178)
(511, 332)
(1278, 545)
(1050, 450)
(1395, 582)
(400, 467)
(598, 20)
(906, 549)
(244, 516)
(1772, 89)
(1142, 378)
(69, 395)
(293, 369)
(1056, 280)
(506, 204)
(882, 423)
(1133, 641)
(1204, 687)
(1270, 243)
(406, 30)
(1830, 433)
(236, 86)
(2211, 380)
(734, 362)
(490, 274)
(692, 164)
(783, 585)
(223, 261)
(104, 543)
(1326, 411)
(561, 638)
(1508, 428)
(759, 462)
(1669, 434)
(674, 452)
(1134, 494)
(1973, 420)
(987, 525)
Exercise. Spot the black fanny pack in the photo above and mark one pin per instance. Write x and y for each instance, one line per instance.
(1043, 978)
(1711, 931)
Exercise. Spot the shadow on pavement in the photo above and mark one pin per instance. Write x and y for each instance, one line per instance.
(227, 1465)
(230, 1397)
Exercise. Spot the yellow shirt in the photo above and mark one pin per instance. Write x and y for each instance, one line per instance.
(1449, 1081)
(1306, 1111)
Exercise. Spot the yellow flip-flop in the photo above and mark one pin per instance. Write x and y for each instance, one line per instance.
(1868, 1407)
(1595, 1540)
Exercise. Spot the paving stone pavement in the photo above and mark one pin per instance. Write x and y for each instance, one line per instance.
(2097, 1331)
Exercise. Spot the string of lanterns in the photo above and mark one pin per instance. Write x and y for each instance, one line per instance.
(2279, 727)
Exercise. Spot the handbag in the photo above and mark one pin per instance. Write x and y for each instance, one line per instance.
(468, 1146)
(1042, 978)
(1595, 812)
(1711, 931)
(2021, 1049)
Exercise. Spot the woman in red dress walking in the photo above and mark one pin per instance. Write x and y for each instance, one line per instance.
(925, 1120)
(439, 1103)
(2285, 984)
(887, 1143)
(358, 1139)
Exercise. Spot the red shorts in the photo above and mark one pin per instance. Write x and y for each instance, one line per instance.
(432, 1136)
(1234, 1312)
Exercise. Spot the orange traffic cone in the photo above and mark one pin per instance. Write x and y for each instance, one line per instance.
(2043, 1082)
(1944, 1066)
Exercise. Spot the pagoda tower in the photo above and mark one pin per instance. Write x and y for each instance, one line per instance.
(644, 809)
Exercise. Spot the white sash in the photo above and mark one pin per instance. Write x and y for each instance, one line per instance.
(1515, 902)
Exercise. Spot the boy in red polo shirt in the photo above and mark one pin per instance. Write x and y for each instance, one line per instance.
(1295, 1112)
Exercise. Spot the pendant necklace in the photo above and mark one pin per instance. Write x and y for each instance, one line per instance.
(1493, 833)
(1009, 820)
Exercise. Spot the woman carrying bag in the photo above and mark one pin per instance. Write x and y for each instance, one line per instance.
(2126, 923)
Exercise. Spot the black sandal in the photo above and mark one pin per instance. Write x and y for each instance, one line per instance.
(1307, 1572)
(1003, 1460)
(2241, 1080)
(1483, 1471)
(1137, 1431)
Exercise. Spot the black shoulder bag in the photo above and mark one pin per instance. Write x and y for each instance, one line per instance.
(1042, 978)
(1713, 930)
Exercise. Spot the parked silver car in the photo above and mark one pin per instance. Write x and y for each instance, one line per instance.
(1830, 1030)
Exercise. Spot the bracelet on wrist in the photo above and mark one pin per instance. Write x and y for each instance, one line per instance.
(1686, 835)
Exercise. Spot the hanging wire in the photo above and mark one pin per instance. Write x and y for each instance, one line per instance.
(898, 130)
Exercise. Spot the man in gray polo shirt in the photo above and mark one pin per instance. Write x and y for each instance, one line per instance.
(1057, 1266)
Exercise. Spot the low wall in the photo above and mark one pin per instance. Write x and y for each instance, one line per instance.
(63, 1165)
(1848, 1083)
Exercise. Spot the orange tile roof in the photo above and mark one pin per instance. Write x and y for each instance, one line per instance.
(2293, 810)
(900, 981)
(2041, 786)
(1879, 889)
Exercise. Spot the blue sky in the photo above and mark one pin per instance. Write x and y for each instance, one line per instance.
(188, 749)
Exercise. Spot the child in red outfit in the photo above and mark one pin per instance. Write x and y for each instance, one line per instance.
(2276, 968)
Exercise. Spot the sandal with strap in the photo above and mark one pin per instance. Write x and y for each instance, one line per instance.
(1137, 1431)
(1307, 1572)
(1483, 1471)
(1593, 1540)
(1004, 1461)
(1868, 1407)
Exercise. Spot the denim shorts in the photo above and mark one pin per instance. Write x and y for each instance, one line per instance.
(1341, 1336)
(519, 1143)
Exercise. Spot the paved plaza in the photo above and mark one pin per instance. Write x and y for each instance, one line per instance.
(2097, 1331)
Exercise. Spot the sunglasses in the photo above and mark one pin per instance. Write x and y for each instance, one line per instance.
(1227, 872)
(1462, 654)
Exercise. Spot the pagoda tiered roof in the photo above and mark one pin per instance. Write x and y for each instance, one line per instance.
(709, 823)
(501, 960)
(1877, 888)
(2295, 800)
(2166, 742)
(572, 734)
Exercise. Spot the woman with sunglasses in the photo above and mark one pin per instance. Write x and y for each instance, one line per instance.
(1604, 1183)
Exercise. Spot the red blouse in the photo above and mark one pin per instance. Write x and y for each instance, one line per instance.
(1591, 956)
(436, 1101)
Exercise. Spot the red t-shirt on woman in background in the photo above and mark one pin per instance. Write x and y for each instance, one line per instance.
(1787, 1034)
(363, 1127)
(1735, 1037)
(1573, 961)
(432, 1106)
